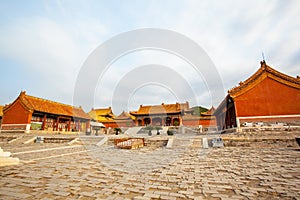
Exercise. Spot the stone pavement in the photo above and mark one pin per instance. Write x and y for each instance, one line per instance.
(190, 173)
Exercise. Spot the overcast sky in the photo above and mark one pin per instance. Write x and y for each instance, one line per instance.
(44, 44)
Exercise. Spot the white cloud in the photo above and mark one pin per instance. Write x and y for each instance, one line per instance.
(232, 33)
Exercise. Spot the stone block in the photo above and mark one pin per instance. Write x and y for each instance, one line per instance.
(204, 143)
(5, 154)
(8, 161)
(170, 143)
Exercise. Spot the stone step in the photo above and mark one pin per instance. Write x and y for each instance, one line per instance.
(4, 154)
(8, 161)
(181, 143)
(197, 143)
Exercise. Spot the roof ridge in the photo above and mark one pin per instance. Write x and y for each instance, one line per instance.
(47, 100)
(263, 69)
(108, 108)
(282, 75)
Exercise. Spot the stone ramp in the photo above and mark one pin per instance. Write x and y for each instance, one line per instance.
(133, 130)
(165, 130)
(90, 140)
(181, 143)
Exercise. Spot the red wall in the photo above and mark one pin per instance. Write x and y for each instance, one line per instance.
(203, 122)
(126, 123)
(269, 97)
(110, 124)
(17, 114)
(271, 120)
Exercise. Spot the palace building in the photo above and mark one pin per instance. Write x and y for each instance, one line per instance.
(1, 114)
(268, 96)
(33, 113)
(161, 115)
(125, 120)
(205, 119)
(103, 115)
(155, 115)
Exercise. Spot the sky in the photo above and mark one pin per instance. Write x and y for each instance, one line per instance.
(45, 44)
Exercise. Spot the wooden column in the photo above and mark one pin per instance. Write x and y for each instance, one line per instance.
(88, 124)
(69, 124)
(179, 119)
(53, 125)
(57, 122)
(44, 122)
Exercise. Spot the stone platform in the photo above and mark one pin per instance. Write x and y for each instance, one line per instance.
(185, 171)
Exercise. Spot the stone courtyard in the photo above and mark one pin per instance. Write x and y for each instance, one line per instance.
(83, 170)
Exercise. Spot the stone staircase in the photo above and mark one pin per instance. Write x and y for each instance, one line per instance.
(133, 131)
(196, 143)
(6, 159)
(181, 143)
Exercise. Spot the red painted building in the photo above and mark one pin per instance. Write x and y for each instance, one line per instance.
(161, 115)
(267, 96)
(33, 113)
(1, 114)
(125, 120)
(104, 116)
(205, 119)
(172, 115)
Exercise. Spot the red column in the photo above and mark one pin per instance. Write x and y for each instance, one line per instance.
(44, 122)
(79, 126)
(88, 124)
(69, 124)
(57, 122)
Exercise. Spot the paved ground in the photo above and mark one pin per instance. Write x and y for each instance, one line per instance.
(184, 172)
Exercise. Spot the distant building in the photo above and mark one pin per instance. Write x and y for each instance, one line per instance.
(33, 113)
(1, 114)
(267, 96)
(161, 115)
(125, 120)
(97, 127)
(103, 115)
(205, 119)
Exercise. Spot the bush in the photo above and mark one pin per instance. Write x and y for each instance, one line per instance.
(118, 130)
(170, 132)
(149, 128)
(176, 123)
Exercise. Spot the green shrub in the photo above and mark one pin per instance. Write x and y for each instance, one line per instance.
(170, 132)
(149, 128)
